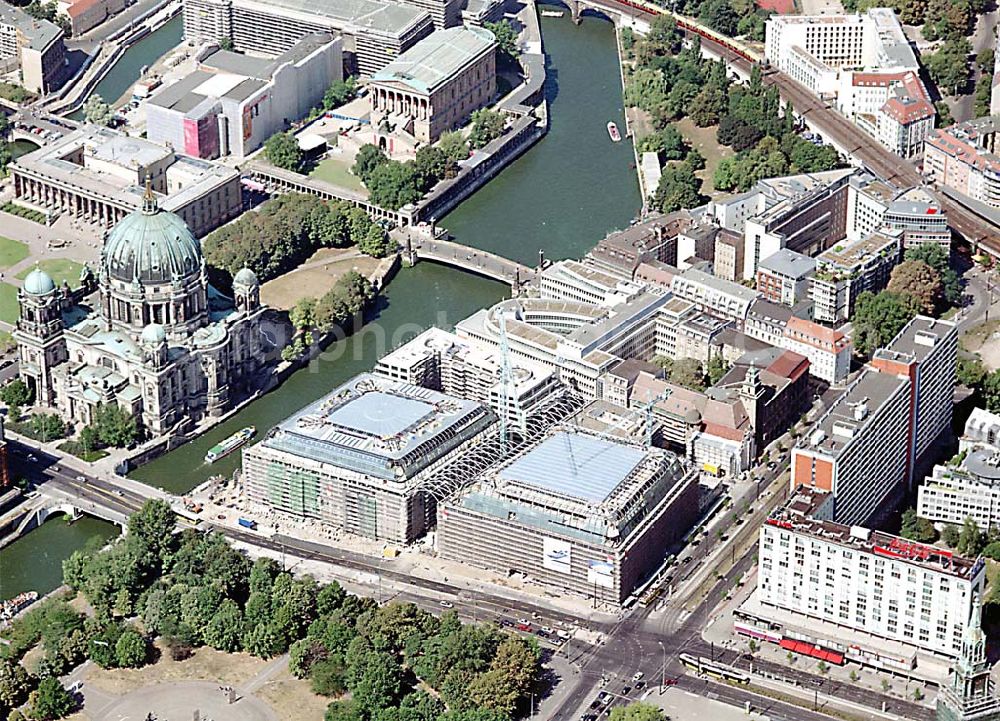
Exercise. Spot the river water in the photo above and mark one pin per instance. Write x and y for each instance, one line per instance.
(124, 74)
(563, 195)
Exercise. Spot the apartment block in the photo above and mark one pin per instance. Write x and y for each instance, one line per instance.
(713, 295)
(847, 270)
(853, 578)
(865, 448)
(35, 47)
(963, 157)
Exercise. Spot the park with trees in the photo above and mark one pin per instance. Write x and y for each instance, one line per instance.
(375, 662)
(669, 81)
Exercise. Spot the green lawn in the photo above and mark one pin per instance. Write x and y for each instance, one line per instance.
(59, 269)
(11, 252)
(336, 172)
(8, 303)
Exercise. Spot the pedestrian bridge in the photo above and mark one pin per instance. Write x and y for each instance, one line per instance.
(471, 260)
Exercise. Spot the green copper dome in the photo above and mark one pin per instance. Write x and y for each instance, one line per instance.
(38, 282)
(151, 246)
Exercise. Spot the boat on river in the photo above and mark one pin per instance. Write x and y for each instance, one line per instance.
(551, 14)
(613, 132)
(229, 445)
(13, 606)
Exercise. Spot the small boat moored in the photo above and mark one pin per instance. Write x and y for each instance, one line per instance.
(229, 445)
(613, 132)
(551, 14)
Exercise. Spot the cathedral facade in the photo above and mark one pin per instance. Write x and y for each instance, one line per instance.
(159, 342)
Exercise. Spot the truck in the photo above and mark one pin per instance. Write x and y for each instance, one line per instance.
(247, 523)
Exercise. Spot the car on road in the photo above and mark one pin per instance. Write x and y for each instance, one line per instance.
(670, 682)
(547, 629)
(446, 604)
(81, 479)
(506, 622)
(32, 458)
(524, 627)
(638, 675)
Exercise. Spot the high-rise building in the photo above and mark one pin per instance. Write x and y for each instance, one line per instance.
(867, 446)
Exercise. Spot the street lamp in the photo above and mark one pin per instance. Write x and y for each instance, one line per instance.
(663, 668)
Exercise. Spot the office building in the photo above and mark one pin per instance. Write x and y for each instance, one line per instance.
(963, 157)
(35, 47)
(98, 175)
(363, 457)
(575, 512)
(231, 103)
(828, 350)
(151, 344)
(853, 579)
(696, 244)
(655, 239)
(849, 269)
(432, 88)
(783, 277)
(866, 63)
(866, 447)
(969, 488)
(442, 361)
(374, 32)
(585, 282)
(710, 294)
(728, 263)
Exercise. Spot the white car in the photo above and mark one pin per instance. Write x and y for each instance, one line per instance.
(446, 604)
(637, 676)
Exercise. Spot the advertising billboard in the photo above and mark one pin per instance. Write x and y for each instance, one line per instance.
(601, 573)
(556, 555)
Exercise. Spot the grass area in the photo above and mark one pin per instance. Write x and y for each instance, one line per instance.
(337, 172)
(15, 93)
(77, 450)
(12, 252)
(6, 341)
(316, 276)
(976, 337)
(8, 303)
(207, 664)
(21, 212)
(703, 139)
(292, 698)
(59, 269)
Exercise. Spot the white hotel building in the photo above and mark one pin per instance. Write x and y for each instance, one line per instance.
(866, 581)
(863, 60)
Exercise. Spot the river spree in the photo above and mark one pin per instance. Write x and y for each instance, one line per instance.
(34, 562)
(575, 185)
(564, 194)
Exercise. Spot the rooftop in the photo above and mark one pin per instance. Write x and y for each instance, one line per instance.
(387, 17)
(575, 465)
(437, 58)
(847, 256)
(916, 340)
(720, 285)
(383, 428)
(788, 263)
(797, 516)
(39, 33)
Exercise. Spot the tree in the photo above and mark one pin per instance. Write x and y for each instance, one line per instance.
(878, 318)
(991, 391)
(131, 650)
(96, 111)
(938, 258)
(950, 535)
(687, 372)
(347, 710)
(115, 426)
(16, 395)
(369, 157)
(282, 151)
(916, 279)
(225, 631)
(455, 149)
(431, 165)
(985, 60)
(392, 185)
(917, 528)
(47, 427)
(886, 685)
(340, 92)
(226, 44)
(50, 700)
(707, 107)
(716, 368)
(949, 65)
(679, 188)
(151, 531)
(376, 242)
(854, 676)
(374, 679)
(90, 439)
(303, 314)
(14, 683)
(944, 118)
(328, 676)
(506, 37)
(636, 712)
(668, 144)
(970, 541)
(487, 125)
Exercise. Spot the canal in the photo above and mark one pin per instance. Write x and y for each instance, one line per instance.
(563, 195)
(34, 562)
(124, 74)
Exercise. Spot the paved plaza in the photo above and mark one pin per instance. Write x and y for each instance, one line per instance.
(178, 701)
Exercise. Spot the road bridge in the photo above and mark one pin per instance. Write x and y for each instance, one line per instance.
(471, 260)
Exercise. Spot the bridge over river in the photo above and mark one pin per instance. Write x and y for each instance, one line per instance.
(471, 260)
